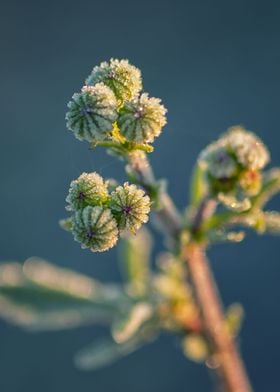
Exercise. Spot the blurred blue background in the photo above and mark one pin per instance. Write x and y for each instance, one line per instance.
(214, 64)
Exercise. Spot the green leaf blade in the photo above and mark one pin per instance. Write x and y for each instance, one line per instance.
(41, 296)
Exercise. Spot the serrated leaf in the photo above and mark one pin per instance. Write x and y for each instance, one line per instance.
(41, 296)
(135, 261)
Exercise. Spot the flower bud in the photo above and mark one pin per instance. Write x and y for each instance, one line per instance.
(130, 206)
(234, 161)
(250, 182)
(88, 189)
(95, 228)
(123, 78)
(142, 119)
(249, 150)
(195, 347)
(92, 113)
(218, 161)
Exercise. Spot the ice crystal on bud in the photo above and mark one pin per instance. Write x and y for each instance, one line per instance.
(123, 78)
(92, 113)
(95, 228)
(218, 161)
(234, 162)
(130, 206)
(249, 150)
(87, 189)
(142, 119)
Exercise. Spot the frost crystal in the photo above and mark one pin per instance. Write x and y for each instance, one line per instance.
(272, 222)
(123, 78)
(131, 206)
(142, 120)
(218, 161)
(249, 150)
(234, 162)
(92, 113)
(95, 228)
(88, 189)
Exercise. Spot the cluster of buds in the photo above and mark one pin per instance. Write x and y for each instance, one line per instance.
(111, 108)
(112, 111)
(231, 171)
(233, 163)
(98, 216)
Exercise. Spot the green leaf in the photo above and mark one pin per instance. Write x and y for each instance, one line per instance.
(135, 262)
(271, 186)
(198, 186)
(128, 325)
(105, 352)
(222, 235)
(233, 318)
(41, 296)
(219, 220)
(66, 224)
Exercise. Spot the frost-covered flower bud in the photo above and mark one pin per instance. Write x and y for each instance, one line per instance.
(95, 228)
(130, 206)
(88, 189)
(249, 150)
(123, 78)
(218, 161)
(92, 113)
(250, 182)
(142, 119)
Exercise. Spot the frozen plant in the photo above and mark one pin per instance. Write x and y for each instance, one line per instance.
(229, 190)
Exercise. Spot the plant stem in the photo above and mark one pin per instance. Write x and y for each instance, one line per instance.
(228, 362)
(167, 213)
(229, 365)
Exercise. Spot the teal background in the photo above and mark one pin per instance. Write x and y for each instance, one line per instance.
(214, 64)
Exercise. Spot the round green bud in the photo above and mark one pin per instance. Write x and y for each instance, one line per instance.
(218, 161)
(95, 228)
(130, 206)
(249, 150)
(142, 119)
(88, 189)
(123, 78)
(92, 113)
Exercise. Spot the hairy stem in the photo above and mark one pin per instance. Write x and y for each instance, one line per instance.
(167, 213)
(229, 365)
